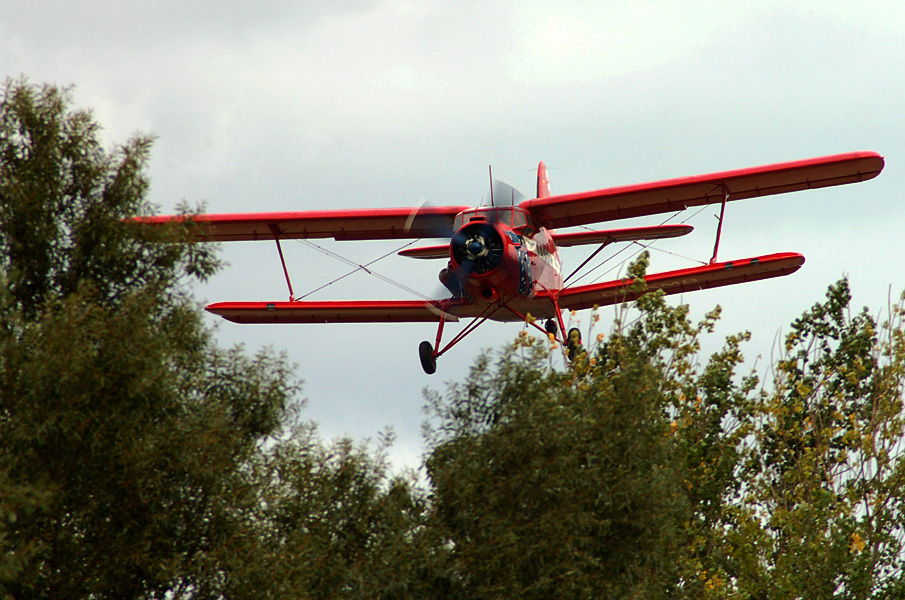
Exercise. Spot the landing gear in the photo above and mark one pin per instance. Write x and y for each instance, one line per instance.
(428, 360)
(574, 344)
(552, 327)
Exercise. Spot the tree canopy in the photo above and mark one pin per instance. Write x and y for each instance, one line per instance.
(140, 460)
(646, 471)
(123, 428)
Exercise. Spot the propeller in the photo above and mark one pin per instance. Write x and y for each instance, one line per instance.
(477, 248)
(502, 194)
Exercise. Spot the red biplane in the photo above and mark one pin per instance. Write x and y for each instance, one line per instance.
(503, 263)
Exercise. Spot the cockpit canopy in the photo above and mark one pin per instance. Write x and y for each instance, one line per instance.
(510, 216)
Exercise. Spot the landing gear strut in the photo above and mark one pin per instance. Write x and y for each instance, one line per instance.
(426, 350)
(428, 355)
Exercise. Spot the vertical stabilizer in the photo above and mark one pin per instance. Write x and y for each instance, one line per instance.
(543, 183)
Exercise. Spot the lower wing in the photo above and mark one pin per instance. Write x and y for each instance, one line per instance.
(575, 298)
(682, 280)
(340, 311)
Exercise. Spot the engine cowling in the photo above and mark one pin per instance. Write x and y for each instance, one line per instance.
(477, 249)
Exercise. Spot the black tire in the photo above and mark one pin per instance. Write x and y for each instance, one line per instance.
(551, 327)
(428, 360)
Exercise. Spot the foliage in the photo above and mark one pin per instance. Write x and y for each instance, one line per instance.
(567, 492)
(139, 460)
(644, 471)
(822, 514)
(123, 429)
(65, 208)
(328, 521)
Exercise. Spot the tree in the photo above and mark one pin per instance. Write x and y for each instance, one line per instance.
(825, 469)
(139, 460)
(566, 492)
(123, 429)
(550, 484)
(645, 471)
(329, 522)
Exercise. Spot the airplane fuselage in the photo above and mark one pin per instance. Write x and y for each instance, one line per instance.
(501, 254)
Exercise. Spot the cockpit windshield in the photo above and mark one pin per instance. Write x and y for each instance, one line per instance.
(510, 216)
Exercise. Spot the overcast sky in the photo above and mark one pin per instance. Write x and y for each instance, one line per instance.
(261, 106)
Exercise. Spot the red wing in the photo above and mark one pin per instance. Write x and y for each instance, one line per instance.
(341, 311)
(577, 298)
(631, 234)
(683, 280)
(357, 224)
(677, 194)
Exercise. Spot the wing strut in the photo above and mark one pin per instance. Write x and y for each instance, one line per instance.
(275, 229)
(719, 228)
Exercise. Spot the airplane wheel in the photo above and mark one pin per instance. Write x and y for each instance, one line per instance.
(551, 327)
(428, 360)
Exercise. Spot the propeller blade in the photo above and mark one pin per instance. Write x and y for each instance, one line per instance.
(504, 194)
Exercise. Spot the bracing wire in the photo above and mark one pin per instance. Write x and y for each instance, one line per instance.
(649, 246)
(365, 267)
(360, 267)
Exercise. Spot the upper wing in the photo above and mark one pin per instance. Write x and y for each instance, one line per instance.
(682, 280)
(357, 224)
(629, 234)
(676, 194)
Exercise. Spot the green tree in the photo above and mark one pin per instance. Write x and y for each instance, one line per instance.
(330, 522)
(647, 471)
(124, 430)
(550, 484)
(823, 512)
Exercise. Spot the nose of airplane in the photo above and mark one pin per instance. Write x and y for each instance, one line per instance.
(476, 247)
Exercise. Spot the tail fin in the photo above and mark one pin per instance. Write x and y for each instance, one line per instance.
(543, 183)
